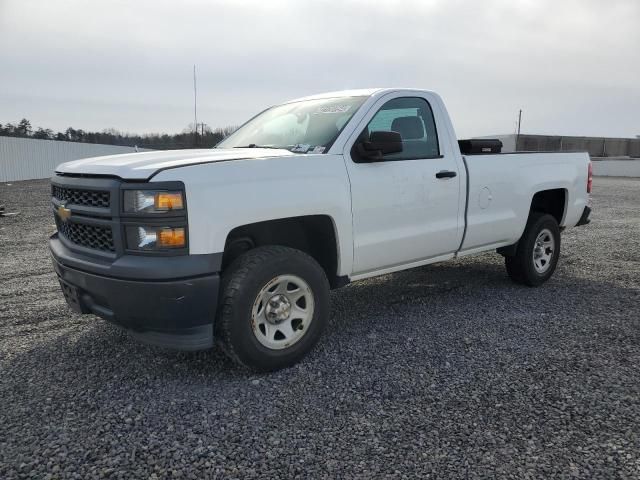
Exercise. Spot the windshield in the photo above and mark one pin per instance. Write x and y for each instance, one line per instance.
(308, 126)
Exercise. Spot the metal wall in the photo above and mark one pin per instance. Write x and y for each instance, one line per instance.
(596, 146)
(617, 157)
(28, 158)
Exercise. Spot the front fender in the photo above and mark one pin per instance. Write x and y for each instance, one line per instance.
(223, 196)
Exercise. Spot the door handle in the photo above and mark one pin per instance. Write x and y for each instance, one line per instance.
(446, 174)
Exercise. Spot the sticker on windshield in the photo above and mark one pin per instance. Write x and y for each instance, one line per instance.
(333, 109)
(318, 149)
(301, 148)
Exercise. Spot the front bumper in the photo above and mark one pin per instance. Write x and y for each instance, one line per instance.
(165, 301)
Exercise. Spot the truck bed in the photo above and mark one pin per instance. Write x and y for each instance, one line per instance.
(509, 194)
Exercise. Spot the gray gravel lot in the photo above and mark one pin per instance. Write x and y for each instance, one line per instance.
(448, 371)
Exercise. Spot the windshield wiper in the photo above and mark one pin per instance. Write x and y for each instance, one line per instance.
(253, 145)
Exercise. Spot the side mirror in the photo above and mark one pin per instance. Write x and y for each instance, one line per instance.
(380, 143)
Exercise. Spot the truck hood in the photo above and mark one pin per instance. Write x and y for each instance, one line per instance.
(143, 165)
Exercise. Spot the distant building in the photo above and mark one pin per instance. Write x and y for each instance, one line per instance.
(599, 147)
(30, 158)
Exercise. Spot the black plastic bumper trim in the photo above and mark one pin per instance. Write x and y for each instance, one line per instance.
(137, 267)
(584, 219)
(176, 314)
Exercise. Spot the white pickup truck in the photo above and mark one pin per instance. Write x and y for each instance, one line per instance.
(240, 244)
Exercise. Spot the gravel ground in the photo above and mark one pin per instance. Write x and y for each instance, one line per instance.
(448, 371)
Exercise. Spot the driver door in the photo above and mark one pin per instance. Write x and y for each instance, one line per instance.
(405, 205)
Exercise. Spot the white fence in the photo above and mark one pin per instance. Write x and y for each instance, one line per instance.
(29, 158)
(617, 168)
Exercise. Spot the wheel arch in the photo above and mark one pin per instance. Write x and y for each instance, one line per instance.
(552, 201)
(316, 235)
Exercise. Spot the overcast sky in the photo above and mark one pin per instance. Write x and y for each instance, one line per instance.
(573, 66)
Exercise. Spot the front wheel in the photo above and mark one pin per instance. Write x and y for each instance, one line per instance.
(274, 307)
(537, 252)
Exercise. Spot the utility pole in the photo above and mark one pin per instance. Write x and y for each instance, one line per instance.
(518, 134)
(195, 109)
(202, 139)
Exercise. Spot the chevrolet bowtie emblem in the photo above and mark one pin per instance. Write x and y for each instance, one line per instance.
(64, 213)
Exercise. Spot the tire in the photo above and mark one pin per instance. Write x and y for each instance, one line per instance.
(263, 321)
(534, 262)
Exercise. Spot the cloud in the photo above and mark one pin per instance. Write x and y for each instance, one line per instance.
(572, 66)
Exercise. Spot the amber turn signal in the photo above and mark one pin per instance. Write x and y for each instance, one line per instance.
(169, 201)
(171, 238)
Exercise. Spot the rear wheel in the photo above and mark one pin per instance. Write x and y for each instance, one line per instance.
(274, 307)
(537, 252)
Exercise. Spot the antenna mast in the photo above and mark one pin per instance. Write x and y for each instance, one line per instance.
(518, 134)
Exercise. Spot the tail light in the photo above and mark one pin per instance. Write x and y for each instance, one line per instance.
(590, 178)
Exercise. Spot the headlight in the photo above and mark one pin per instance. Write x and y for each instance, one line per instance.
(155, 238)
(152, 201)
